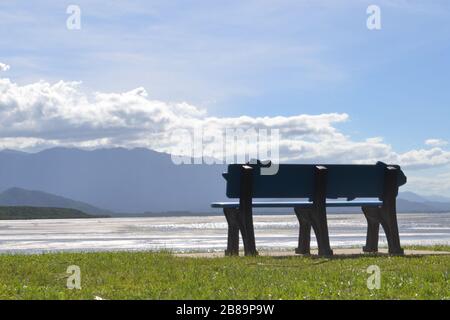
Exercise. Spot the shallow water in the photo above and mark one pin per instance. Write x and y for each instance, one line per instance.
(201, 233)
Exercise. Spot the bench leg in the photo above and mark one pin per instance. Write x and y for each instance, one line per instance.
(372, 215)
(388, 214)
(246, 212)
(304, 236)
(245, 218)
(319, 211)
(231, 214)
(320, 226)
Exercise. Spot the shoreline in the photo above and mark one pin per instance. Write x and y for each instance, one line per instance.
(201, 234)
(338, 252)
(197, 215)
(410, 250)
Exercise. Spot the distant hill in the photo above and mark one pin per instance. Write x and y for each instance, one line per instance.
(411, 196)
(105, 181)
(116, 179)
(411, 202)
(412, 206)
(436, 198)
(24, 212)
(22, 197)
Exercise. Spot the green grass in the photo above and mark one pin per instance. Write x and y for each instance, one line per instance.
(139, 275)
(437, 247)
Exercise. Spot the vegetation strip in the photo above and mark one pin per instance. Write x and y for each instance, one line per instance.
(144, 275)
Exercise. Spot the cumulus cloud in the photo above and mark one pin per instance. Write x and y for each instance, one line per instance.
(4, 67)
(436, 184)
(41, 115)
(436, 142)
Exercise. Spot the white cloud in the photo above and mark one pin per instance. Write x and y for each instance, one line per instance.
(437, 184)
(4, 67)
(424, 158)
(436, 142)
(41, 114)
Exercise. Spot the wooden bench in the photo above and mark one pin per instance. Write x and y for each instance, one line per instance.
(317, 183)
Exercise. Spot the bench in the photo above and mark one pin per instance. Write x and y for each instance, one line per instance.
(318, 184)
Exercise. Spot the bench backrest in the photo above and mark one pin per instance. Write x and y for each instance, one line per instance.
(298, 180)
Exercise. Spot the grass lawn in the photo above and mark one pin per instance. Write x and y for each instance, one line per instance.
(138, 275)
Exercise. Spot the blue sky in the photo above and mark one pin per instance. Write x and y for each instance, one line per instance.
(255, 58)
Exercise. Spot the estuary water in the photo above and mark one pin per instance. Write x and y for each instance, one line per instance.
(200, 233)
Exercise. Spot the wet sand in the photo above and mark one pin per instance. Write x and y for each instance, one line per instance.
(273, 233)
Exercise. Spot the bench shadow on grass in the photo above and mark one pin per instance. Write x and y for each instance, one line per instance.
(316, 259)
(349, 256)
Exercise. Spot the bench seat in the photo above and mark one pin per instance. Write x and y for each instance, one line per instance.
(297, 204)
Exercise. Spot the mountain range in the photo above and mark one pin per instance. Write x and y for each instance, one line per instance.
(22, 197)
(117, 179)
(127, 181)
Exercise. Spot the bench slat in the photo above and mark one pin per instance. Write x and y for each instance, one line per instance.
(297, 181)
(292, 204)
